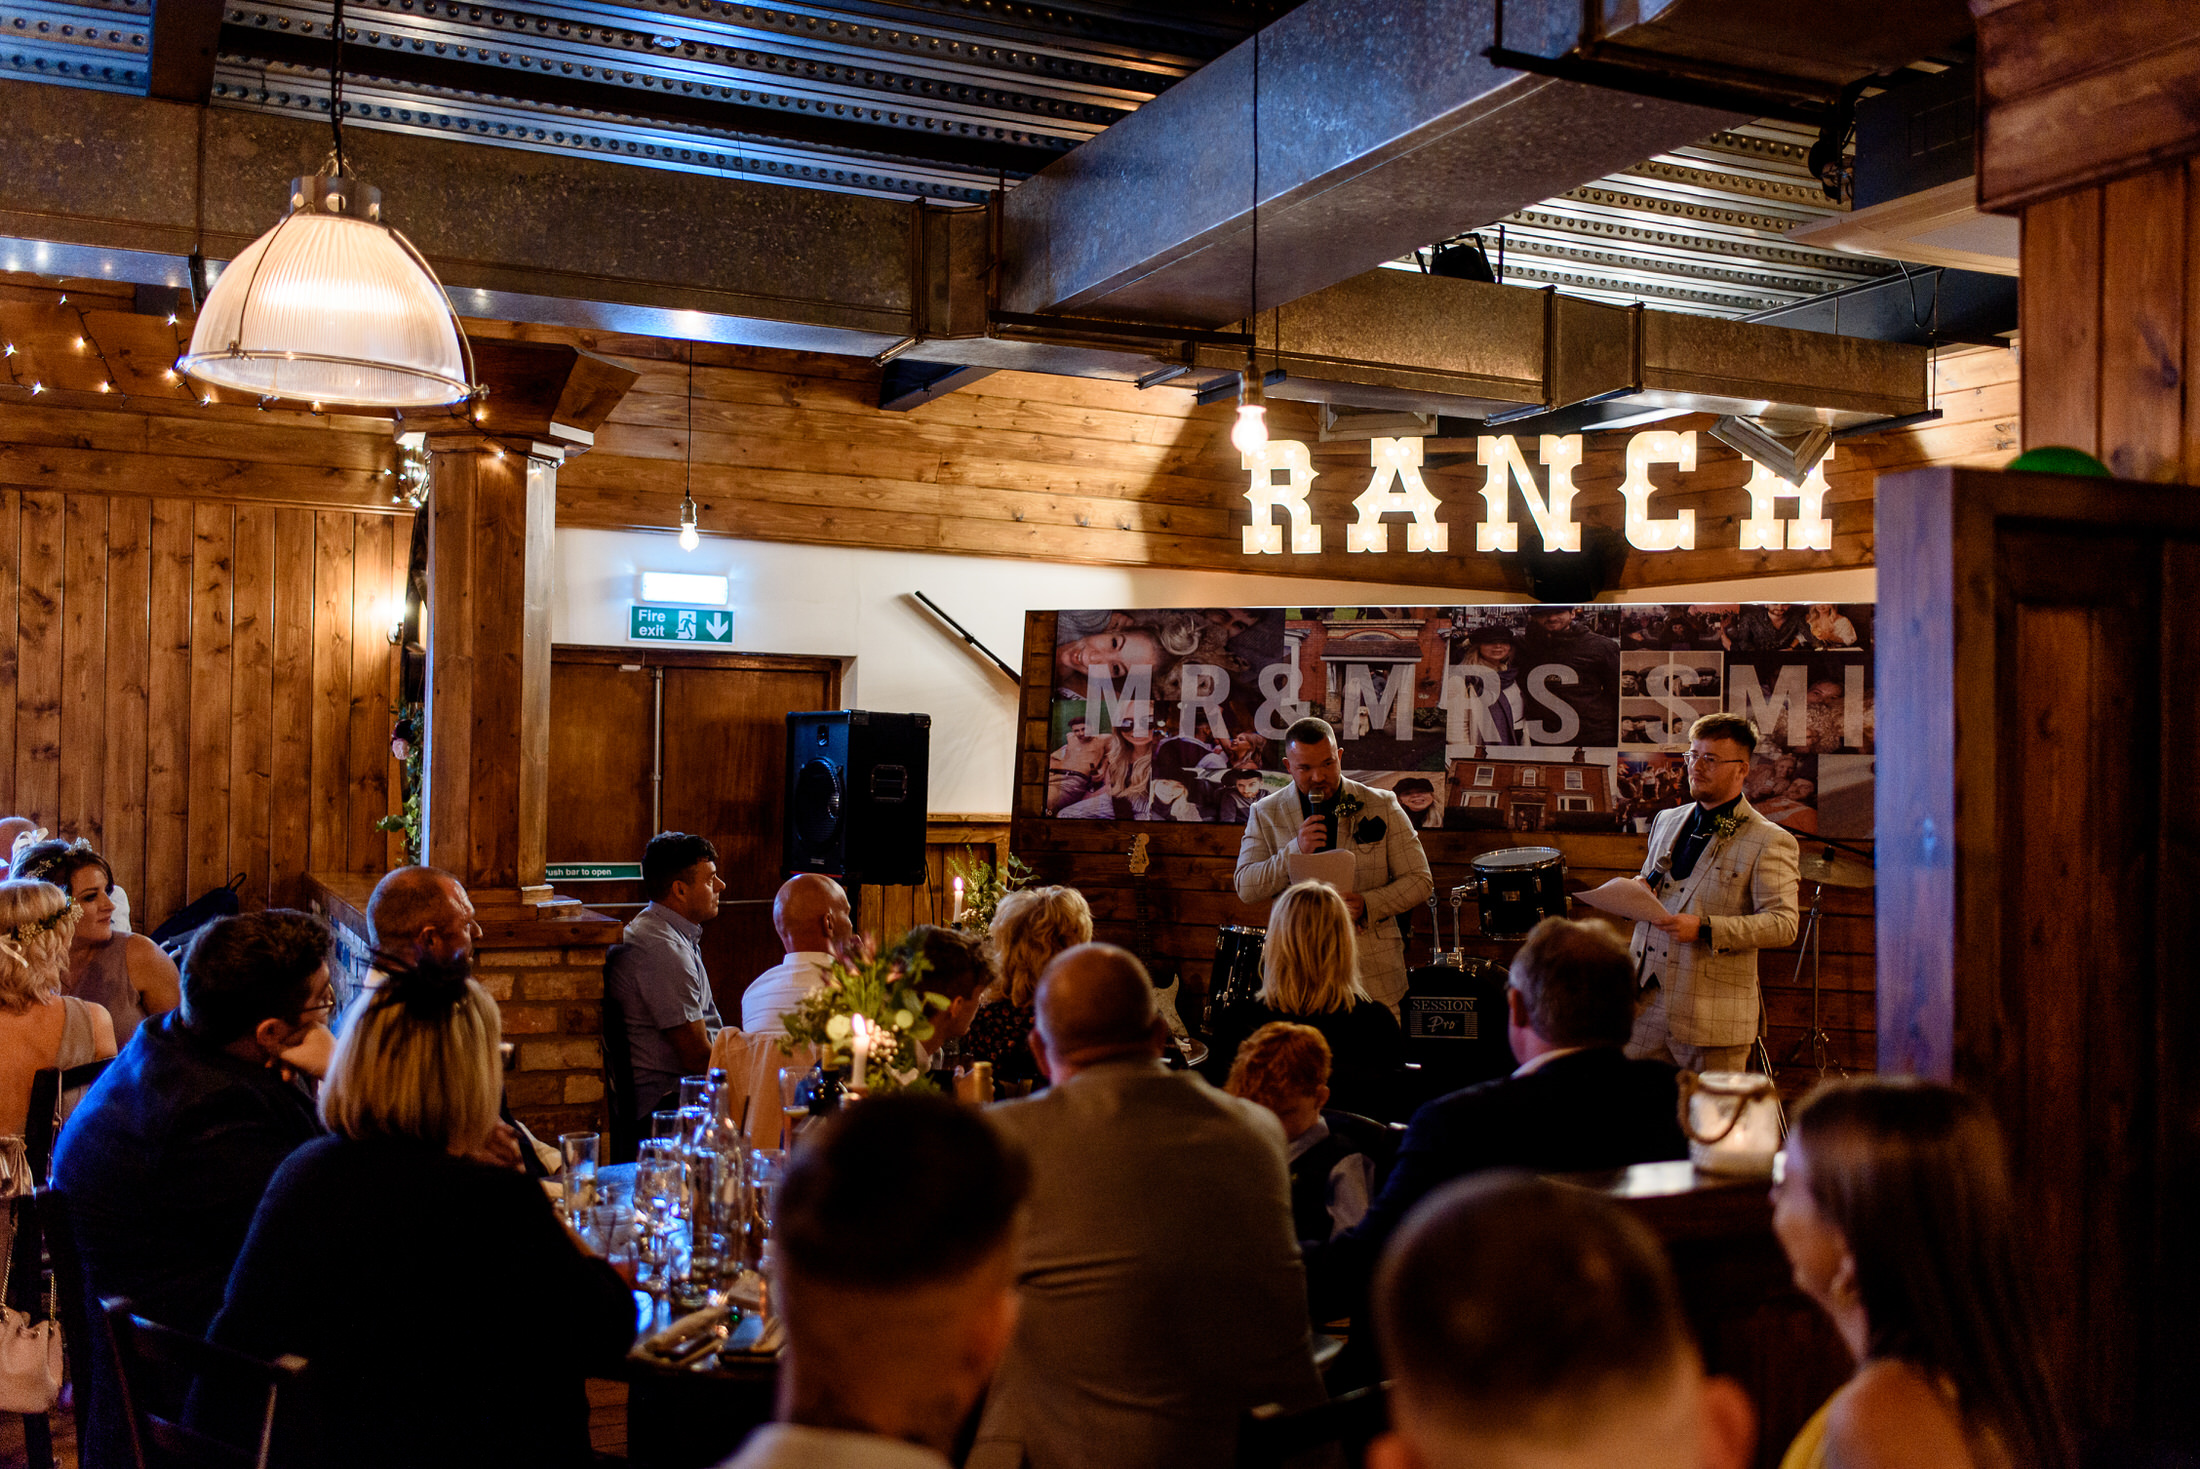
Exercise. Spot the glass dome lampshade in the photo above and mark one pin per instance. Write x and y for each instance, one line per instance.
(332, 306)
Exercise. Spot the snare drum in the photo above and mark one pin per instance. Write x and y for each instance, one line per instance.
(1235, 981)
(1519, 888)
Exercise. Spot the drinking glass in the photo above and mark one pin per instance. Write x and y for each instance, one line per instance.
(664, 1125)
(599, 1228)
(578, 1177)
(794, 1108)
(767, 1166)
(694, 1124)
(694, 1091)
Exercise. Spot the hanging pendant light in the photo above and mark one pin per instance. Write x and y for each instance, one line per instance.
(689, 540)
(1250, 433)
(332, 304)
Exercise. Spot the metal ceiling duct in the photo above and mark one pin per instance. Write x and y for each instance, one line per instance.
(1383, 127)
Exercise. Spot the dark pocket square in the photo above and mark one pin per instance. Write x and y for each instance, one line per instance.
(1371, 830)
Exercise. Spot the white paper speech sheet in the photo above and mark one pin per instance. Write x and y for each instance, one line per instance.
(1626, 897)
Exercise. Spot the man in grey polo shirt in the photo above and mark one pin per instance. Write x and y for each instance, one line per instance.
(657, 978)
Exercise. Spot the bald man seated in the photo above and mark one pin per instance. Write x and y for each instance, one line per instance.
(810, 915)
(1154, 1199)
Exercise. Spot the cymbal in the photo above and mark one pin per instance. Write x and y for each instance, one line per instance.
(1836, 870)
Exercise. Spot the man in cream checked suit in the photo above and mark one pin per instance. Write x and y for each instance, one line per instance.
(1393, 873)
(1727, 877)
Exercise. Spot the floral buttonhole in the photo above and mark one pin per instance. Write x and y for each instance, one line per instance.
(1371, 830)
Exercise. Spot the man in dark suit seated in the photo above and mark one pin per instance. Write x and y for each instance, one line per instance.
(1576, 1103)
(1525, 1323)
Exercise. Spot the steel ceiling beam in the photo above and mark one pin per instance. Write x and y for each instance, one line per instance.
(1382, 128)
(181, 66)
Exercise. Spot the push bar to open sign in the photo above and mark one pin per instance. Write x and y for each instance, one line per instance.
(592, 872)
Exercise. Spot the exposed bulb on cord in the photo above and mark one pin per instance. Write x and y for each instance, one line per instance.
(1250, 434)
(689, 540)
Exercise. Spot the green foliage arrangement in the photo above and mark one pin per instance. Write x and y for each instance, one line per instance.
(883, 989)
(983, 888)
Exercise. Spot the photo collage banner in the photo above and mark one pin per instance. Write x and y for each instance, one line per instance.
(1514, 718)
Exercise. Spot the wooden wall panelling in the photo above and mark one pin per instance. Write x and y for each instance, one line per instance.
(213, 553)
(367, 778)
(38, 680)
(11, 548)
(251, 710)
(400, 590)
(83, 767)
(290, 817)
(328, 842)
(168, 716)
(2143, 273)
(949, 840)
(129, 667)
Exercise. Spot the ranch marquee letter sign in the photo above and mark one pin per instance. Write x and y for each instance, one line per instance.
(1283, 473)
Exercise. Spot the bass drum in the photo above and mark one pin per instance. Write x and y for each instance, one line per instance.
(1235, 980)
(1518, 888)
(1454, 1020)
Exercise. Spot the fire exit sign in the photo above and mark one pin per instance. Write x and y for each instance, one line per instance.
(679, 625)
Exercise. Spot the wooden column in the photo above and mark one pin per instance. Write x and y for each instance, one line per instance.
(492, 506)
(2088, 133)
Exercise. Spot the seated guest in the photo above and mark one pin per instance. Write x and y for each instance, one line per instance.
(1030, 927)
(167, 1156)
(125, 973)
(1285, 1068)
(1308, 969)
(1577, 1103)
(420, 915)
(1895, 1210)
(449, 1317)
(896, 1278)
(658, 980)
(1527, 1323)
(40, 1027)
(1154, 1199)
(960, 970)
(810, 915)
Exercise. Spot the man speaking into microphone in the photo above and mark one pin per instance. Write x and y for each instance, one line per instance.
(1323, 812)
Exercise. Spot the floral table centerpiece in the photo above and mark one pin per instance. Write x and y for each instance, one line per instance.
(865, 1021)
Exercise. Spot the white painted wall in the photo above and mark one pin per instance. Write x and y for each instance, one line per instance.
(856, 605)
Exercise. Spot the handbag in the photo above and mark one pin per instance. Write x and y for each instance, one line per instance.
(30, 1351)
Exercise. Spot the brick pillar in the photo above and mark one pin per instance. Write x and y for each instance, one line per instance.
(552, 1000)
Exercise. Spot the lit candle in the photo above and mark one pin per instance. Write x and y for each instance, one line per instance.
(955, 913)
(860, 1045)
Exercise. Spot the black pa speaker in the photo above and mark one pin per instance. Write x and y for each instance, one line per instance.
(856, 794)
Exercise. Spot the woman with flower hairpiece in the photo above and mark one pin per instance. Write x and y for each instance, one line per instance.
(40, 1027)
(125, 973)
(449, 1318)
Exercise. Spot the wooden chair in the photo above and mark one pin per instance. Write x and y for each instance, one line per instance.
(1270, 1437)
(752, 1064)
(618, 1066)
(80, 1339)
(46, 1088)
(144, 1348)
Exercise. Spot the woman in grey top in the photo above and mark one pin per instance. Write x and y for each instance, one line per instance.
(126, 973)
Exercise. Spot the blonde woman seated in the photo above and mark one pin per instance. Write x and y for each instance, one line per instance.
(40, 1027)
(1030, 927)
(1307, 971)
(1894, 1208)
(449, 1318)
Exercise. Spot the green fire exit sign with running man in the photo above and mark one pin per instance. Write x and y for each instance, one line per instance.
(679, 625)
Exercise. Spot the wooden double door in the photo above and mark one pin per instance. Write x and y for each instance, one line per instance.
(650, 740)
